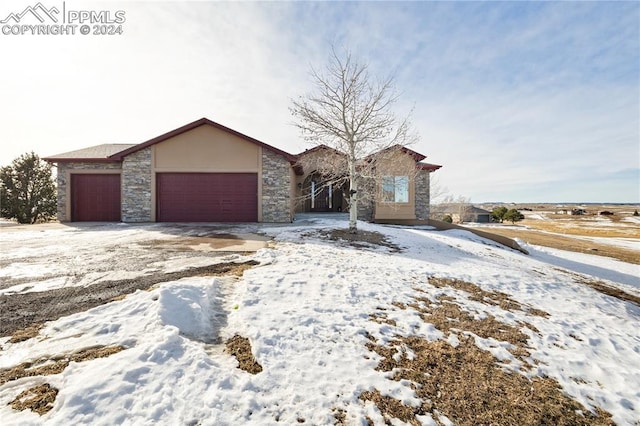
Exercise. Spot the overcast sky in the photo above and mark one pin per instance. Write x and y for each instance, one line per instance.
(519, 102)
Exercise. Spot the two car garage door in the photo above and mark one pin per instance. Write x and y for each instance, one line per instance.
(181, 197)
(207, 197)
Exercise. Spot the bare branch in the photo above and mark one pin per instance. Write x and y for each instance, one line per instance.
(351, 113)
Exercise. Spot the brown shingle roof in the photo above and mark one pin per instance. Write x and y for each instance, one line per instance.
(93, 153)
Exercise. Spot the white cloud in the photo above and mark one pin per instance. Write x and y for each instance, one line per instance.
(540, 92)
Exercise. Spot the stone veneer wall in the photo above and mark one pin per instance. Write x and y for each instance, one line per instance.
(366, 204)
(62, 183)
(136, 186)
(276, 187)
(422, 194)
(365, 210)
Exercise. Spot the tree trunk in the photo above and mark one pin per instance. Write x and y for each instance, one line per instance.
(353, 197)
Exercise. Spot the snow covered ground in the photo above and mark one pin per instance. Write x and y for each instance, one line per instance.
(306, 310)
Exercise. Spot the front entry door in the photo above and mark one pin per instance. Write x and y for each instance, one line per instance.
(321, 197)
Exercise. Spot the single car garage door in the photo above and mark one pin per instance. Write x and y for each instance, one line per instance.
(207, 197)
(95, 197)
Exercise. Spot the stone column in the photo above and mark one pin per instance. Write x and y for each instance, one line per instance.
(276, 187)
(136, 186)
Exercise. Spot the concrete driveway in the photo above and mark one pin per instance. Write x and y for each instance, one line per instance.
(50, 270)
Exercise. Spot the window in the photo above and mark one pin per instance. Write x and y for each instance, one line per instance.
(395, 189)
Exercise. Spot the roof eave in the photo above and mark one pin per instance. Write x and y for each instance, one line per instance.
(80, 160)
(429, 167)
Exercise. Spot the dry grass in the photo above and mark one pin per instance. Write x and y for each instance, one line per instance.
(612, 291)
(55, 365)
(240, 347)
(39, 399)
(559, 231)
(381, 318)
(590, 226)
(541, 238)
(602, 287)
(391, 407)
(25, 333)
(468, 385)
(449, 317)
(491, 297)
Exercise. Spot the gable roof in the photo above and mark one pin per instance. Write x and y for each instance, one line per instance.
(116, 152)
(120, 155)
(416, 155)
(101, 152)
(319, 148)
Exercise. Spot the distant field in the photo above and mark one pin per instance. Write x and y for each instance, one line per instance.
(616, 236)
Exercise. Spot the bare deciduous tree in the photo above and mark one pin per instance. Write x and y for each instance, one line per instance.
(437, 191)
(350, 112)
(458, 208)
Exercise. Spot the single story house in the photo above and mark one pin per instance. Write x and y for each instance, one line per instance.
(206, 172)
(465, 213)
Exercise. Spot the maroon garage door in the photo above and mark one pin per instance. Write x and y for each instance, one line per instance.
(207, 197)
(95, 197)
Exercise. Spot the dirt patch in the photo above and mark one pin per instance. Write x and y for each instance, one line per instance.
(340, 416)
(25, 333)
(39, 399)
(240, 347)
(216, 241)
(56, 364)
(361, 239)
(19, 311)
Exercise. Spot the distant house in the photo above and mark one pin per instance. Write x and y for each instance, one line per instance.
(465, 213)
(206, 172)
(476, 214)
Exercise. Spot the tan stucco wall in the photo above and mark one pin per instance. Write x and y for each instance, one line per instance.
(206, 149)
(404, 166)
